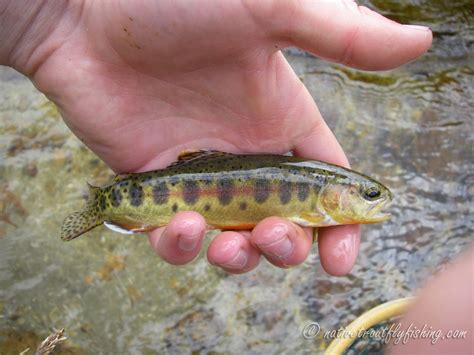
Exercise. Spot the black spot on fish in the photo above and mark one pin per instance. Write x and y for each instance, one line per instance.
(243, 206)
(207, 207)
(225, 191)
(147, 179)
(160, 193)
(174, 208)
(302, 191)
(284, 192)
(208, 182)
(102, 202)
(262, 190)
(190, 192)
(115, 197)
(136, 195)
(174, 180)
(321, 179)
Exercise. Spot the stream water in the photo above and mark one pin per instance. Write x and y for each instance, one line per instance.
(410, 128)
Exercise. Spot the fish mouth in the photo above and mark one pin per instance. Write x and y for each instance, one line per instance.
(376, 213)
(381, 217)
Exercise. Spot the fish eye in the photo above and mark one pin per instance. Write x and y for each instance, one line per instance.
(372, 193)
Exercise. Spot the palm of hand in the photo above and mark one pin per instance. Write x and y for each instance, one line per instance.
(160, 91)
(139, 81)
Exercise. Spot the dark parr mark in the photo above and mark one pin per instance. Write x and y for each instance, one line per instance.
(135, 195)
(207, 207)
(160, 193)
(302, 191)
(262, 190)
(225, 191)
(174, 208)
(190, 192)
(115, 197)
(243, 206)
(284, 192)
(316, 188)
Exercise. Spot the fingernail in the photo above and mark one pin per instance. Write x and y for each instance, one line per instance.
(418, 27)
(238, 261)
(188, 242)
(280, 248)
(280, 244)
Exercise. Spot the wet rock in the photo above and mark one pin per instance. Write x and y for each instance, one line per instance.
(30, 169)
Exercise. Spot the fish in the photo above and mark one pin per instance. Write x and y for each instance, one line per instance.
(233, 192)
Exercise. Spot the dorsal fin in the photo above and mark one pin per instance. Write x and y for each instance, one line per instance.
(188, 155)
(110, 181)
(120, 177)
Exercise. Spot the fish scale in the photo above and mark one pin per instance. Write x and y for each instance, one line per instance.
(232, 192)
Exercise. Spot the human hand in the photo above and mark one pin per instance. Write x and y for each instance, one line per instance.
(443, 309)
(139, 81)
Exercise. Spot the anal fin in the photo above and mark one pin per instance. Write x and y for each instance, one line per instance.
(128, 226)
(116, 228)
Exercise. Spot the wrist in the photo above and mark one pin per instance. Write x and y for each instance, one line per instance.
(31, 30)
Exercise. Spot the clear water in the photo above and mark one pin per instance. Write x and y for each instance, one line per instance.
(411, 128)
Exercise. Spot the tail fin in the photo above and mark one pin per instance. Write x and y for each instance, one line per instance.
(84, 220)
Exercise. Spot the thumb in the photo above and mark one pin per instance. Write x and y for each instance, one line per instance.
(342, 31)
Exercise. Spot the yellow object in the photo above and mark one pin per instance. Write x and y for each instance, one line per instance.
(367, 320)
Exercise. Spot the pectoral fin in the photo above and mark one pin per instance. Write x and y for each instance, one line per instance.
(309, 220)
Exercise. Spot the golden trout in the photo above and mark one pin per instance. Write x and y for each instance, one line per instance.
(233, 192)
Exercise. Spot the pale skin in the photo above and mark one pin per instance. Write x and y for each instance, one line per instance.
(139, 81)
(444, 307)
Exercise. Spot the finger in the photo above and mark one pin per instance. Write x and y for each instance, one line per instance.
(233, 252)
(180, 241)
(338, 248)
(342, 32)
(282, 242)
(339, 245)
(320, 143)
